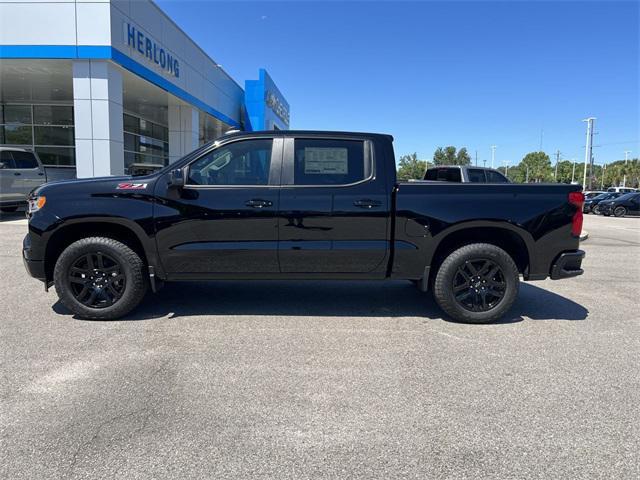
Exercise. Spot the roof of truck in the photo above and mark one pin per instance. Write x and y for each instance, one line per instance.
(306, 132)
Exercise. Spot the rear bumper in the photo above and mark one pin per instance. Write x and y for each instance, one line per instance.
(567, 265)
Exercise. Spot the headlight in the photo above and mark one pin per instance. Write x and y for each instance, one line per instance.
(36, 203)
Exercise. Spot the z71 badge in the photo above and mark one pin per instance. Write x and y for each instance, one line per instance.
(131, 186)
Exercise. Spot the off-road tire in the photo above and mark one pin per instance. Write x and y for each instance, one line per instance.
(619, 212)
(443, 285)
(132, 266)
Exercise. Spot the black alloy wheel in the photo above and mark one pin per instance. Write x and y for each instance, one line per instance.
(479, 285)
(100, 278)
(97, 280)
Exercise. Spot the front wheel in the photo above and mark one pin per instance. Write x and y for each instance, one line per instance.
(477, 283)
(620, 212)
(100, 278)
(596, 210)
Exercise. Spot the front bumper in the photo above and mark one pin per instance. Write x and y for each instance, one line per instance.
(567, 265)
(35, 267)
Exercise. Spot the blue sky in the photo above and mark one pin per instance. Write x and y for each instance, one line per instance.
(471, 74)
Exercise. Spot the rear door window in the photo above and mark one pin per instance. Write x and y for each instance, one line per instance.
(476, 175)
(451, 175)
(6, 159)
(432, 174)
(444, 174)
(495, 177)
(330, 162)
(25, 160)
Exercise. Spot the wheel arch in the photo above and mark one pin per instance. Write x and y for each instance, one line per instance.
(126, 232)
(517, 242)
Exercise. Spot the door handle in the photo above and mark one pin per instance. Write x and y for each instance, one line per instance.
(367, 203)
(17, 173)
(258, 203)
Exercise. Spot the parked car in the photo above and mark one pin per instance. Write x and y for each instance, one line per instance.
(299, 205)
(621, 189)
(592, 205)
(627, 204)
(464, 174)
(589, 194)
(20, 172)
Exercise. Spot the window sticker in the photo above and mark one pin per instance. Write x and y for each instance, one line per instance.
(325, 161)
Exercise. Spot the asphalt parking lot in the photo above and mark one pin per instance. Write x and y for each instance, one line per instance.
(326, 380)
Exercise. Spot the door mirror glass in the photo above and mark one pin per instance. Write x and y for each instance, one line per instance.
(176, 178)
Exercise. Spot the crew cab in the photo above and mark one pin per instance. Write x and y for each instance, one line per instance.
(298, 205)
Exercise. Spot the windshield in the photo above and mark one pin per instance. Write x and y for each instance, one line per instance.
(602, 196)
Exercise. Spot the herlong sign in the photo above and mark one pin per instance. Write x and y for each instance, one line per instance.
(153, 51)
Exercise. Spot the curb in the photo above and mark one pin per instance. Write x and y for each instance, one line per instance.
(584, 235)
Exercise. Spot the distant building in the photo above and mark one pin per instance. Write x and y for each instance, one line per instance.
(109, 87)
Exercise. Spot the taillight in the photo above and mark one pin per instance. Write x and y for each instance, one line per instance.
(576, 199)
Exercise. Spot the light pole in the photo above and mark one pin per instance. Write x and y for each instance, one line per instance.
(626, 159)
(604, 171)
(573, 172)
(588, 148)
(493, 154)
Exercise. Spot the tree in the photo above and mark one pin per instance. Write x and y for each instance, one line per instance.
(409, 167)
(462, 157)
(536, 167)
(449, 156)
(564, 169)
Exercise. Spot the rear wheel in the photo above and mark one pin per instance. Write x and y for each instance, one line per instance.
(477, 283)
(100, 278)
(620, 211)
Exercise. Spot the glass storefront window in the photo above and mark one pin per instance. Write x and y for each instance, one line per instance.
(146, 145)
(17, 134)
(16, 114)
(52, 115)
(210, 128)
(54, 135)
(47, 129)
(63, 156)
(131, 124)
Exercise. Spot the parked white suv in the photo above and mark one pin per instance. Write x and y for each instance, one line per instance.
(20, 172)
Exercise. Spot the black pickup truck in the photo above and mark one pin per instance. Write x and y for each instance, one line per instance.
(298, 205)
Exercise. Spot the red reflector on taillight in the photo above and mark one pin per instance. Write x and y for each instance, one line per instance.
(576, 199)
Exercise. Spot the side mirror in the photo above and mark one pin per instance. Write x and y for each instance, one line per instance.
(177, 178)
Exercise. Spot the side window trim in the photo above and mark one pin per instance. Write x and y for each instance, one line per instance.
(288, 160)
(275, 166)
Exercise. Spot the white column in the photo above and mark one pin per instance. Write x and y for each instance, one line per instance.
(97, 102)
(183, 129)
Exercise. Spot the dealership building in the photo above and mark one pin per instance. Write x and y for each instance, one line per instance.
(116, 87)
